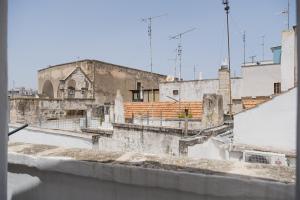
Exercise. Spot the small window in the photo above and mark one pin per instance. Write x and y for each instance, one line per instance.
(257, 159)
(71, 92)
(83, 90)
(175, 92)
(138, 85)
(277, 88)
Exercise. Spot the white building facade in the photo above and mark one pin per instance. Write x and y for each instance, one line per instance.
(264, 78)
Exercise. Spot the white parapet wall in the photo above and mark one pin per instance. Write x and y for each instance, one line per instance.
(288, 64)
(271, 124)
(52, 137)
(46, 172)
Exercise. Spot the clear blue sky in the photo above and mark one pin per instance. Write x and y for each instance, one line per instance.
(50, 32)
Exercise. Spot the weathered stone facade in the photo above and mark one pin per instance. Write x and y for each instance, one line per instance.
(213, 113)
(34, 110)
(94, 79)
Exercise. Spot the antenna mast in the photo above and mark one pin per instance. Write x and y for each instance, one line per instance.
(288, 15)
(244, 42)
(179, 49)
(149, 20)
(226, 8)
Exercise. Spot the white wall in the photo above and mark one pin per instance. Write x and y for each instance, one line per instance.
(288, 59)
(259, 80)
(189, 90)
(194, 90)
(38, 137)
(271, 124)
(140, 141)
(208, 150)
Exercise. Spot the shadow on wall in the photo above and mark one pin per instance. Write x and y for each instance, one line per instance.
(143, 180)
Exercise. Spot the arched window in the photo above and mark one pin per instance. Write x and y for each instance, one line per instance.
(71, 88)
(47, 90)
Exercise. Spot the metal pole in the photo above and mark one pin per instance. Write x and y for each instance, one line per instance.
(180, 56)
(228, 50)
(3, 99)
(150, 41)
(17, 129)
(288, 14)
(244, 41)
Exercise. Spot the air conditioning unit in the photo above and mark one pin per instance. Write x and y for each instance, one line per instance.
(264, 158)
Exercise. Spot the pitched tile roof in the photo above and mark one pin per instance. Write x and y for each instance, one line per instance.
(249, 102)
(166, 110)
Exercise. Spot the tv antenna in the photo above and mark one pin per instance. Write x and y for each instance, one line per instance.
(244, 44)
(226, 8)
(179, 48)
(149, 21)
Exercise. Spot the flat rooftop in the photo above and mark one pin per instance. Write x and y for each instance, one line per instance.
(30, 154)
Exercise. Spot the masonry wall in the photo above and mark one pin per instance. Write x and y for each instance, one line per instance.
(109, 78)
(59, 72)
(271, 124)
(136, 138)
(106, 79)
(33, 110)
(174, 123)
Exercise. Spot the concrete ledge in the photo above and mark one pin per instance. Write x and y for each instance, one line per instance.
(202, 183)
(105, 133)
(157, 129)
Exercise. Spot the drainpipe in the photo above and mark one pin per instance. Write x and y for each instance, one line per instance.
(3, 99)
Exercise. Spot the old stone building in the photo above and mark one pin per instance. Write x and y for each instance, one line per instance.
(72, 90)
(92, 79)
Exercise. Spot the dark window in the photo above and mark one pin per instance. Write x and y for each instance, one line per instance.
(138, 85)
(277, 88)
(71, 92)
(257, 159)
(175, 92)
(136, 96)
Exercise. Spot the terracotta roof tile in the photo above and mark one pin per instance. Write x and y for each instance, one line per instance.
(166, 110)
(249, 102)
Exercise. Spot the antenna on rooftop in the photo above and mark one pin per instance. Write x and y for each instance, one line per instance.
(226, 8)
(179, 49)
(149, 21)
(244, 44)
(286, 12)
